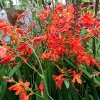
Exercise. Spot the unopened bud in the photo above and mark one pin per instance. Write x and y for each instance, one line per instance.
(4, 77)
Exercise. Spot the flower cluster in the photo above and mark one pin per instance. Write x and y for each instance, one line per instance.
(63, 35)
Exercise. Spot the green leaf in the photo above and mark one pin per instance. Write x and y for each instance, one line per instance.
(18, 73)
(91, 97)
(26, 72)
(40, 3)
(59, 94)
(88, 74)
(70, 63)
(74, 93)
(87, 93)
(2, 89)
(14, 70)
(9, 95)
(66, 83)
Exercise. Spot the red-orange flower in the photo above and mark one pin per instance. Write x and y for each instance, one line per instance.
(3, 51)
(33, 24)
(59, 8)
(19, 16)
(24, 96)
(38, 39)
(44, 15)
(20, 87)
(20, 31)
(2, 24)
(8, 57)
(41, 87)
(85, 57)
(93, 32)
(59, 80)
(24, 48)
(76, 77)
(75, 44)
(87, 20)
(8, 30)
(49, 56)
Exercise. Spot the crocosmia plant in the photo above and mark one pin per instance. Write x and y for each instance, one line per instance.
(55, 57)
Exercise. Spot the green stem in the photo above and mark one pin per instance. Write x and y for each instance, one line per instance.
(94, 47)
(31, 66)
(41, 70)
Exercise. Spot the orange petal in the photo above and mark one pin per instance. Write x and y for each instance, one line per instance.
(3, 51)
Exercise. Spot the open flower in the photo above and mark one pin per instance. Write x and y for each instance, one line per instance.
(7, 57)
(19, 87)
(59, 80)
(24, 96)
(85, 57)
(76, 77)
(3, 51)
(19, 16)
(44, 15)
